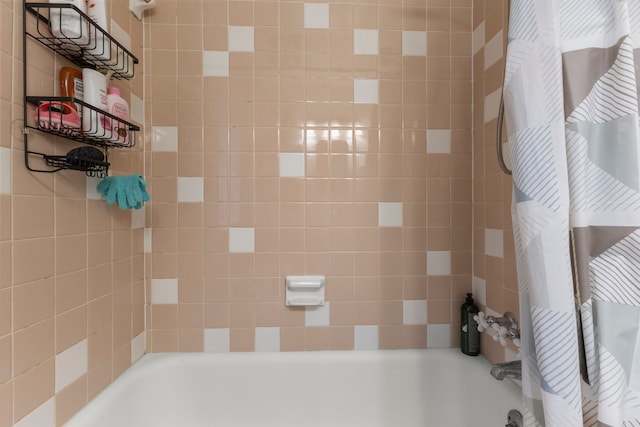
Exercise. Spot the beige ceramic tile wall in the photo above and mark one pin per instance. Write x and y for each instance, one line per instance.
(290, 90)
(71, 268)
(494, 253)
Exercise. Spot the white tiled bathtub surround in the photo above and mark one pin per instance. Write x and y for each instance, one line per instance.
(407, 388)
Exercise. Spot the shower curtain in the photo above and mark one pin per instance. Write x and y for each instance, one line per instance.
(571, 94)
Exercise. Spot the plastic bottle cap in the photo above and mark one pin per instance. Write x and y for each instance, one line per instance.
(113, 91)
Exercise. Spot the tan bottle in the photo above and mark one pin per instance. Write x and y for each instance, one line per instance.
(71, 86)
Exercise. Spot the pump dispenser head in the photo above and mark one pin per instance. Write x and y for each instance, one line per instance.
(469, 298)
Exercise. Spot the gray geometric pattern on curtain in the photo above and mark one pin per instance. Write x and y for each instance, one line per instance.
(571, 97)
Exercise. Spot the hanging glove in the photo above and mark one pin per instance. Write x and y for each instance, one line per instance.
(108, 188)
(128, 191)
(122, 188)
(103, 186)
(136, 192)
(141, 187)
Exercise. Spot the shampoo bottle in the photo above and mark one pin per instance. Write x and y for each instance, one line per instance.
(469, 336)
(100, 46)
(95, 94)
(71, 86)
(118, 107)
(68, 26)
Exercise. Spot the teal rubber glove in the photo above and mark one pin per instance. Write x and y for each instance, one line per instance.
(131, 187)
(129, 191)
(108, 188)
(136, 192)
(103, 186)
(143, 188)
(121, 193)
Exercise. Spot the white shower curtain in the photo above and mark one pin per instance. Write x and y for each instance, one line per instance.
(571, 95)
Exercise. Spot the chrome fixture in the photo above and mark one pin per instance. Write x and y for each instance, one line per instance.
(514, 419)
(512, 370)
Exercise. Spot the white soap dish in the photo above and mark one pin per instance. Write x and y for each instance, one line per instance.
(304, 290)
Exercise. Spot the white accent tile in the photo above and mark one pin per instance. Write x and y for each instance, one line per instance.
(120, 34)
(215, 63)
(438, 141)
(493, 242)
(164, 138)
(190, 189)
(414, 43)
(138, 346)
(5, 170)
(240, 39)
(71, 364)
(365, 337)
(318, 315)
(137, 109)
(91, 191)
(365, 42)
(316, 15)
(267, 339)
(479, 290)
(492, 105)
(478, 38)
(291, 164)
(414, 312)
(164, 291)
(137, 218)
(148, 239)
(390, 214)
(365, 91)
(242, 240)
(438, 263)
(216, 340)
(43, 416)
(493, 50)
(439, 336)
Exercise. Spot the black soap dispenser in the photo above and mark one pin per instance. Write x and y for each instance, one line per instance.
(469, 336)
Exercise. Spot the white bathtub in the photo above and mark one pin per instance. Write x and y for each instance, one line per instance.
(399, 388)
